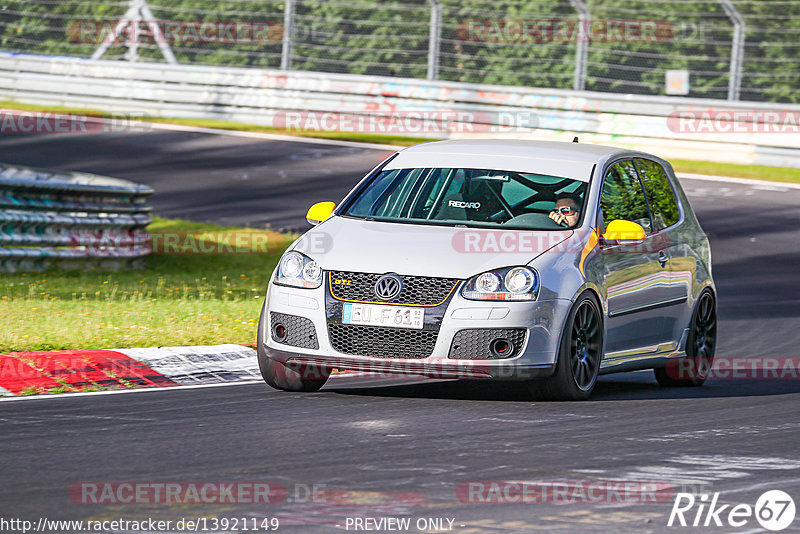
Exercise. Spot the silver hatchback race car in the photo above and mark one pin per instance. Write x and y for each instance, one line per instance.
(549, 263)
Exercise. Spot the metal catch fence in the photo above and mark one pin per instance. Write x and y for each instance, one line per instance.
(721, 49)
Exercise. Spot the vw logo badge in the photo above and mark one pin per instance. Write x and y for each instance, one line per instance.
(388, 286)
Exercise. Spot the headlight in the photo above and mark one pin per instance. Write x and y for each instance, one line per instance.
(487, 283)
(298, 270)
(510, 283)
(519, 280)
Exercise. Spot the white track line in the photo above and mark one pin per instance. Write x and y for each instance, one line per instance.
(11, 398)
(275, 137)
(764, 485)
(389, 148)
(778, 186)
(120, 391)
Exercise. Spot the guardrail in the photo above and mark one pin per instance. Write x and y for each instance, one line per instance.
(258, 96)
(70, 220)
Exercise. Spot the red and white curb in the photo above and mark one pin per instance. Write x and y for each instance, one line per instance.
(26, 373)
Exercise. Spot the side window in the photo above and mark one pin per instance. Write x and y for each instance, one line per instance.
(662, 201)
(622, 196)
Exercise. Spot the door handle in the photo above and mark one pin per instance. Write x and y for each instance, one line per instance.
(663, 258)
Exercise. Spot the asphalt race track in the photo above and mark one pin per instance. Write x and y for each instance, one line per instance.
(403, 447)
(231, 180)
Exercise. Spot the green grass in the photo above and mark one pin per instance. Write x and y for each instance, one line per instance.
(178, 299)
(755, 172)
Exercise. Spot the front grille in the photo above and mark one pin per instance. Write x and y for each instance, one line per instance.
(420, 290)
(300, 332)
(378, 342)
(473, 343)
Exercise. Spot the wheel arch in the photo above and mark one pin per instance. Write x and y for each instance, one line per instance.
(586, 289)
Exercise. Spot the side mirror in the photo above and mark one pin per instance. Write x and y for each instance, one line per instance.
(319, 212)
(619, 230)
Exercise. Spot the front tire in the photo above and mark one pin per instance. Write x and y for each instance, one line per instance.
(579, 354)
(279, 376)
(692, 370)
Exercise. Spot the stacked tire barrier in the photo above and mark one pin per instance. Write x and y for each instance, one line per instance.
(71, 220)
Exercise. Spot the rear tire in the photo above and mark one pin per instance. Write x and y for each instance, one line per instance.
(579, 353)
(279, 376)
(692, 370)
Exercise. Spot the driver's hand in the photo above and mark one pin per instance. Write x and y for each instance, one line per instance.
(560, 218)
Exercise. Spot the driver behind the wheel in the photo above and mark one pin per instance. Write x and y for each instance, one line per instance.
(567, 210)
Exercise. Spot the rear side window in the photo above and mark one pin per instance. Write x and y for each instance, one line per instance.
(660, 195)
(622, 197)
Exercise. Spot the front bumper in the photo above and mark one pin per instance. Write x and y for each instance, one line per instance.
(542, 321)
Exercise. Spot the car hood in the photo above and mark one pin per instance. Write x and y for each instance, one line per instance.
(343, 244)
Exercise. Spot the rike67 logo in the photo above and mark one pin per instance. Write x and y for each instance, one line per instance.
(774, 510)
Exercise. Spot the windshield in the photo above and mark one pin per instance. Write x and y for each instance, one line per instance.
(470, 197)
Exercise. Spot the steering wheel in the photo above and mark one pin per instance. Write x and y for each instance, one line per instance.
(497, 216)
(536, 220)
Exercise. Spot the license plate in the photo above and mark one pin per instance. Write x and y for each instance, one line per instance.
(391, 316)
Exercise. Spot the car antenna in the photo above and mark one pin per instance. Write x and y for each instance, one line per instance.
(575, 139)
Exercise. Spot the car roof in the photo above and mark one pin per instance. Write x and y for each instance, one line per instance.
(570, 160)
(518, 147)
